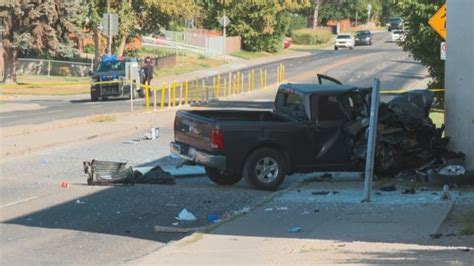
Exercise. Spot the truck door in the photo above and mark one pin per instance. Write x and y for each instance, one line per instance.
(329, 118)
(326, 80)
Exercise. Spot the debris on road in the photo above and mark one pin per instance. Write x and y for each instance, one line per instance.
(282, 208)
(133, 141)
(64, 184)
(153, 133)
(324, 193)
(78, 201)
(409, 191)
(388, 188)
(213, 218)
(185, 215)
(268, 209)
(445, 195)
(295, 229)
(107, 173)
(242, 211)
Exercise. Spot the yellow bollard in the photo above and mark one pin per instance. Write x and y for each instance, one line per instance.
(186, 88)
(218, 86)
(180, 93)
(225, 87)
(230, 84)
(283, 74)
(196, 91)
(205, 91)
(163, 87)
(174, 93)
(154, 98)
(147, 96)
(261, 78)
(250, 80)
(214, 87)
(170, 86)
(265, 79)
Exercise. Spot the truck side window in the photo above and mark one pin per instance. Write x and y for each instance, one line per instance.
(291, 104)
(328, 109)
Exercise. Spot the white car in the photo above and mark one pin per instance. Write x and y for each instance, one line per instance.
(345, 40)
(398, 36)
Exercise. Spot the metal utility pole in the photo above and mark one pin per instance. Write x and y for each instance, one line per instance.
(109, 33)
(371, 140)
(357, 13)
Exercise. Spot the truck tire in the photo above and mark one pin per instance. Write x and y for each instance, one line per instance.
(94, 96)
(265, 169)
(220, 177)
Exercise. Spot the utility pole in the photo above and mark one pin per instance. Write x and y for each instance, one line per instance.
(357, 13)
(225, 39)
(315, 13)
(110, 28)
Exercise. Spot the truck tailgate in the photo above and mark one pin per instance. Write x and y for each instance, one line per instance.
(193, 130)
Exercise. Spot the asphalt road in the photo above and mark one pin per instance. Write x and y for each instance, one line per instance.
(42, 223)
(384, 60)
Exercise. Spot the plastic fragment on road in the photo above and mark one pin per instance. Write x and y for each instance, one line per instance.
(305, 212)
(268, 209)
(295, 229)
(64, 184)
(175, 224)
(78, 201)
(213, 218)
(185, 215)
(282, 208)
(133, 141)
(241, 211)
(153, 133)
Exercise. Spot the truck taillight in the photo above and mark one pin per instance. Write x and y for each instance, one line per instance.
(217, 139)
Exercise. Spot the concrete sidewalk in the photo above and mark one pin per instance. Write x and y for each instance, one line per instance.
(335, 228)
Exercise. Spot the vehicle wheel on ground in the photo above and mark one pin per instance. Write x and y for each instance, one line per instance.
(141, 93)
(351, 48)
(220, 177)
(336, 48)
(370, 42)
(265, 169)
(385, 160)
(94, 96)
(105, 98)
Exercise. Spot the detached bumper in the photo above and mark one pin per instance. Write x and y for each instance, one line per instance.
(188, 153)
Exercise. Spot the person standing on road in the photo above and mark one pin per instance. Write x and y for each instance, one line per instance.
(147, 69)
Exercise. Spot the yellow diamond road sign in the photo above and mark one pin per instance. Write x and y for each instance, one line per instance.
(438, 21)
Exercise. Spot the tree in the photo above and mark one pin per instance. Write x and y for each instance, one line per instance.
(261, 23)
(41, 26)
(420, 39)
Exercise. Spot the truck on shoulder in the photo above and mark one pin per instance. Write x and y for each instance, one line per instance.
(109, 79)
(311, 127)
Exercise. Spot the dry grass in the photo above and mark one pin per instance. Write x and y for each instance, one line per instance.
(102, 119)
(44, 85)
(467, 221)
(188, 63)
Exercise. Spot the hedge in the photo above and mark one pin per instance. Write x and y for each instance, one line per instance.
(311, 36)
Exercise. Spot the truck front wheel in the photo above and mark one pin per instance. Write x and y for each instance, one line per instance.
(94, 96)
(220, 177)
(265, 169)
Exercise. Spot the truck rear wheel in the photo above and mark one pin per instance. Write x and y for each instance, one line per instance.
(94, 96)
(220, 177)
(265, 169)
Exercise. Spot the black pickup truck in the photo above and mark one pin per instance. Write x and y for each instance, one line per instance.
(311, 127)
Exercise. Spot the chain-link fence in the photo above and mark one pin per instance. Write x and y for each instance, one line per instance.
(45, 67)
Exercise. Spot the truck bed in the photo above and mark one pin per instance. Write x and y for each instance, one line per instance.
(238, 115)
